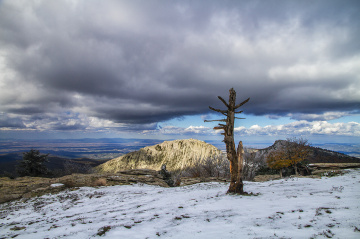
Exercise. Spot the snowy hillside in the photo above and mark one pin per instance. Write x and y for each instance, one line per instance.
(288, 208)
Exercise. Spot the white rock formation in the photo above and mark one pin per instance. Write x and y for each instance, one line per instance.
(177, 155)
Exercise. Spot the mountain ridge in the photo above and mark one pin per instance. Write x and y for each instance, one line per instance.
(317, 155)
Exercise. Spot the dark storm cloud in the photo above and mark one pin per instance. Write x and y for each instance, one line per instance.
(141, 62)
(62, 127)
(9, 122)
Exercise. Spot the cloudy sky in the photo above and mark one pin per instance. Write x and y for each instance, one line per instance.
(88, 68)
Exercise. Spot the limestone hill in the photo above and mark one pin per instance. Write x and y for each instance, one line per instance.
(177, 155)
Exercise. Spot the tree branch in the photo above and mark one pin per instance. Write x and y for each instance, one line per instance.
(222, 100)
(222, 120)
(220, 111)
(242, 103)
(219, 127)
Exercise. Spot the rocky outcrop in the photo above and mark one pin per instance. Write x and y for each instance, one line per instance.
(176, 155)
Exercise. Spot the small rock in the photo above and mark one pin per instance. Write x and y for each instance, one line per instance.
(17, 228)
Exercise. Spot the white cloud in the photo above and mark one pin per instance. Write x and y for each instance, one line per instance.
(298, 128)
(304, 128)
(174, 130)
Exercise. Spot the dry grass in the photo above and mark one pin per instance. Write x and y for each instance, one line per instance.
(100, 182)
(69, 183)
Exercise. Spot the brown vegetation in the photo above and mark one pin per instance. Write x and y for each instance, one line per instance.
(25, 187)
(290, 153)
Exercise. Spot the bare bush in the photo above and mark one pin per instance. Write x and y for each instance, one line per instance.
(210, 167)
(195, 171)
(100, 182)
(69, 183)
(219, 166)
(254, 160)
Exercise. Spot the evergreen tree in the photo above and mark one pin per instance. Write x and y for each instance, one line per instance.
(33, 164)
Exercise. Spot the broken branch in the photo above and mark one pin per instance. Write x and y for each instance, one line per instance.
(222, 100)
(217, 110)
(242, 103)
(219, 127)
(222, 120)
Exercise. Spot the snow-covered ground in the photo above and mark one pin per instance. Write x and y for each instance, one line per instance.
(288, 208)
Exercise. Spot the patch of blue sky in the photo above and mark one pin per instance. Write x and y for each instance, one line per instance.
(250, 120)
(347, 119)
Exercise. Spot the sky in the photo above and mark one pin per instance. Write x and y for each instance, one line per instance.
(151, 69)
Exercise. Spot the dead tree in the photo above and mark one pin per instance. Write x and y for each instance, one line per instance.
(234, 156)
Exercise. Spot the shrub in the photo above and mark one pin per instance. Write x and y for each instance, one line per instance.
(100, 182)
(69, 183)
(253, 163)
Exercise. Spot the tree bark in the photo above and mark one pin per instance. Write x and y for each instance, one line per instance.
(236, 182)
(296, 171)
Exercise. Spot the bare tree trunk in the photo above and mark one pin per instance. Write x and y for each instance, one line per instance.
(240, 156)
(237, 185)
(296, 171)
(234, 156)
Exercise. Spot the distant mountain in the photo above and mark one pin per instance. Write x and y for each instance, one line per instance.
(317, 155)
(320, 155)
(177, 154)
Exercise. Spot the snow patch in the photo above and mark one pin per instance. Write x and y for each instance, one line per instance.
(54, 185)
